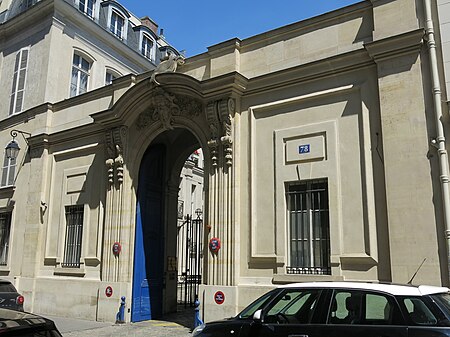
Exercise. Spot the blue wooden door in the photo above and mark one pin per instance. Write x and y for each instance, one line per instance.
(149, 242)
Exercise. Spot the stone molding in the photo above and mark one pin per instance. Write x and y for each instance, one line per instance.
(402, 44)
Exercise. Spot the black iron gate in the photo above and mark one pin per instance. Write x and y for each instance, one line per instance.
(190, 256)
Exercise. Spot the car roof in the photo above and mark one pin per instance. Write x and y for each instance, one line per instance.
(394, 289)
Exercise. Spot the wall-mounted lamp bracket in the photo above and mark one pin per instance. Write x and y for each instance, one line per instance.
(12, 149)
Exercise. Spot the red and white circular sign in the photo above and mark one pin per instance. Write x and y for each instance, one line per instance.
(108, 291)
(219, 297)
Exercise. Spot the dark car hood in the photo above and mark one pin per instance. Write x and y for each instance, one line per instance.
(12, 319)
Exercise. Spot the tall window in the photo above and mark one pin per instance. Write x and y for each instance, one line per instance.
(8, 171)
(19, 78)
(117, 24)
(87, 7)
(5, 227)
(74, 235)
(309, 229)
(109, 78)
(147, 47)
(80, 75)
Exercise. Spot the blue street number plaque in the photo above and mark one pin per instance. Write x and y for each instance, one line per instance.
(304, 149)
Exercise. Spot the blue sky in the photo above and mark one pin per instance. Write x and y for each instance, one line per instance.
(195, 25)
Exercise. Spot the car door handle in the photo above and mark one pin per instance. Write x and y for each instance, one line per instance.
(297, 335)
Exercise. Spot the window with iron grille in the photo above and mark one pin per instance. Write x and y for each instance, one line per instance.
(74, 235)
(309, 229)
(5, 227)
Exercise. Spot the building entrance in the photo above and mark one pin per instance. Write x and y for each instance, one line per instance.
(157, 254)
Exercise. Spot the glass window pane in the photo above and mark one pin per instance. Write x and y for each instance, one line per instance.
(84, 64)
(418, 311)
(24, 60)
(293, 307)
(4, 176)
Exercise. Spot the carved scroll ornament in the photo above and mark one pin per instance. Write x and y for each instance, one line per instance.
(115, 142)
(164, 106)
(218, 115)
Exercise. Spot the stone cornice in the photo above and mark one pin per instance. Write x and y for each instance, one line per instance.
(22, 21)
(316, 22)
(224, 47)
(410, 42)
(224, 85)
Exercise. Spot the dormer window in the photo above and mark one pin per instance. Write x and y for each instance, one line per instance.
(118, 18)
(117, 26)
(87, 7)
(147, 47)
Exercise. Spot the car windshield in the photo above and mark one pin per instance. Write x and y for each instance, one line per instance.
(422, 311)
(443, 301)
(256, 305)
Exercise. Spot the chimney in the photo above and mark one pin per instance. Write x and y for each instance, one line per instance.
(147, 22)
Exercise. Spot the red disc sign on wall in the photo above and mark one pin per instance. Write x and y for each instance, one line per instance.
(108, 291)
(219, 297)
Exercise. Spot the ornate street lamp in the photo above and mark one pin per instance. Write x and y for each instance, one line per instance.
(13, 148)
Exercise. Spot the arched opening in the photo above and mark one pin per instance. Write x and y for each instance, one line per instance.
(156, 254)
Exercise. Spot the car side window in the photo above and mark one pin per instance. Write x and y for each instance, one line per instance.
(360, 307)
(418, 312)
(293, 307)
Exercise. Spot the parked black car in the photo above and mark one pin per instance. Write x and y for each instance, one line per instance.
(340, 309)
(9, 297)
(23, 324)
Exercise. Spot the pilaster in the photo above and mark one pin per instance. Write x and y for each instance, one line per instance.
(116, 266)
(220, 213)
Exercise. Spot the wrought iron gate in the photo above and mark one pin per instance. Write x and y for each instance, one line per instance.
(190, 256)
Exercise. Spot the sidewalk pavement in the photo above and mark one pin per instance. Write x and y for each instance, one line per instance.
(177, 324)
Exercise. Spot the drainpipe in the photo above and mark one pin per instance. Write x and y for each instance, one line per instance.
(439, 142)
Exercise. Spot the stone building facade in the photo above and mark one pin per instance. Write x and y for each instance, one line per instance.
(325, 159)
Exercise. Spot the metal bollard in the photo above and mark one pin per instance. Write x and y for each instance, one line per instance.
(120, 317)
(197, 319)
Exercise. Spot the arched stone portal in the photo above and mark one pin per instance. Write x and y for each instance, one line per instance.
(165, 123)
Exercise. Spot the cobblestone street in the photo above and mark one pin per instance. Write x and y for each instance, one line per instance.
(148, 329)
(177, 324)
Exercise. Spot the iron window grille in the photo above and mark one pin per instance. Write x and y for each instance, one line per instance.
(5, 228)
(309, 229)
(74, 235)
